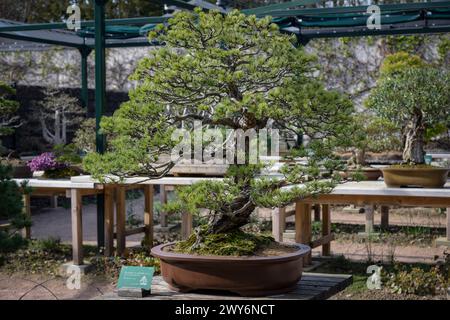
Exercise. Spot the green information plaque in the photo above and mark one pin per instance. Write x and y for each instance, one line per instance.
(135, 281)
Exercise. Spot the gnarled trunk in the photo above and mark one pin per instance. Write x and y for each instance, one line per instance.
(413, 151)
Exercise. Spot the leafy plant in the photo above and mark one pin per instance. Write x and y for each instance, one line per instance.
(84, 138)
(414, 98)
(45, 161)
(11, 210)
(373, 134)
(67, 153)
(418, 281)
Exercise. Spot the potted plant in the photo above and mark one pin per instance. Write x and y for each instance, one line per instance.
(231, 72)
(416, 97)
(371, 134)
(48, 166)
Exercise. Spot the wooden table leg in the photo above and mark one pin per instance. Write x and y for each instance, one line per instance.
(326, 228)
(27, 211)
(448, 224)
(303, 226)
(109, 220)
(384, 217)
(278, 223)
(148, 215)
(77, 226)
(163, 200)
(369, 209)
(316, 212)
(186, 225)
(120, 219)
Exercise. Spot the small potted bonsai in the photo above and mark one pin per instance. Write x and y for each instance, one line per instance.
(230, 72)
(371, 134)
(51, 165)
(416, 97)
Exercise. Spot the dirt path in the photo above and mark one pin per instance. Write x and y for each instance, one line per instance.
(40, 287)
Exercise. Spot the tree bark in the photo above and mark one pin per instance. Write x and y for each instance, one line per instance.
(413, 151)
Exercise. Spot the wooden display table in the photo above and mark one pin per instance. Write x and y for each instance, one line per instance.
(73, 190)
(367, 194)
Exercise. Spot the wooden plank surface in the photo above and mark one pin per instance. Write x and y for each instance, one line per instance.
(312, 286)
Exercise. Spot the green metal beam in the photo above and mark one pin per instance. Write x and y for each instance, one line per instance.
(39, 40)
(278, 6)
(366, 32)
(84, 76)
(100, 102)
(353, 9)
(84, 24)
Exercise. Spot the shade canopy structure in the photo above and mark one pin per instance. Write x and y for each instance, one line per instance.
(294, 17)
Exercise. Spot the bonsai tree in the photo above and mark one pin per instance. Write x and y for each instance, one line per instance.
(413, 95)
(8, 109)
(372, 134)
(58, 112)
(229, 72)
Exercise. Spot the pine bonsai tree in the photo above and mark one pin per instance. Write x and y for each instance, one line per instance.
(230, 72)
(413, 95)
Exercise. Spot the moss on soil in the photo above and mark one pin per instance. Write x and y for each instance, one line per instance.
(236, 243)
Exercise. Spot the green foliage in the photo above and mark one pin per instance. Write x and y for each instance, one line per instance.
(415, 97)
(67, 153)
(110, 266)
(11, 210)
(444, 49)
(375, 134)
(406, 43)
(418, 281)
(61, 173)
(8, 109)
(425, 90)
(400, 62)
(84, 138)
(237, 243)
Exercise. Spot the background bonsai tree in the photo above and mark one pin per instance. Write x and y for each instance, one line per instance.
(9, 120)
(413, 95)
(58, 113)
(229, 72)
(372, 134)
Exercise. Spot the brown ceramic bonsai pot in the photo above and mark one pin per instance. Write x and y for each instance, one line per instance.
(246, 276)
(371, 174)
(425, 177)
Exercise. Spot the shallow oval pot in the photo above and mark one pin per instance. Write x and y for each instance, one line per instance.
(371, 174)
(246, 276)
(415, 177)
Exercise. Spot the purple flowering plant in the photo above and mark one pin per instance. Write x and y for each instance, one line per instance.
(45, 161)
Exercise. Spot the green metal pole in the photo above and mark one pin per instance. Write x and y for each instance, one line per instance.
(84, 76)
(100, 101)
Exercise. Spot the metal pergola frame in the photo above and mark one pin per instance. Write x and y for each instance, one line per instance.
(290, 20)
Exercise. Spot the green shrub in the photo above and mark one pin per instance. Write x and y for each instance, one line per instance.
(11, 210)
(418, 281)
